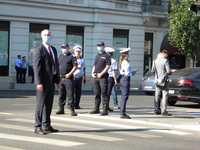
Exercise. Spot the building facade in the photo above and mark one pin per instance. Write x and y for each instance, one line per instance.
(139, 24)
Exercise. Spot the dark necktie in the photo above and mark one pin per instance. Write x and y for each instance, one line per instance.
(51, 57)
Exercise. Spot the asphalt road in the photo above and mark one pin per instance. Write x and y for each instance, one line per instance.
(89, 132)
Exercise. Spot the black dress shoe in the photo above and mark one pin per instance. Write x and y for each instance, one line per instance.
(78, 107)
(110, 109)
(166, 114)
(39, 131)
(125, 116)
(50, 129)
(157, 113)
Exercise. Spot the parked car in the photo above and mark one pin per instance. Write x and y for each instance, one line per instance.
(184, 85)
(147, 84)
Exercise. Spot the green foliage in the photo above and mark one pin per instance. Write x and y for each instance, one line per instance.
(184, 30)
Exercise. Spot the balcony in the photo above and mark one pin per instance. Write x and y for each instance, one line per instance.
(155, 5)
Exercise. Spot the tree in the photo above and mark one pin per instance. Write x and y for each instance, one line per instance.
(184, 30)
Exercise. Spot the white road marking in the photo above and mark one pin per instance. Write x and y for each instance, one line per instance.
(3, 113)
(119, 125)
(171, 132)
(9, 148)
(109, 124)
(90, 136)
(75, 134)
(40, 140)
(188, 127)
(136, 134)
(98, 123)
(57, 124)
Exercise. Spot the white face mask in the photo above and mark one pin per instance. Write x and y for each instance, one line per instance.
(129, 57)
(64, 51)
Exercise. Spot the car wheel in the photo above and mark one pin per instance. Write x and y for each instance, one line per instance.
(149, 93)
(171, 103)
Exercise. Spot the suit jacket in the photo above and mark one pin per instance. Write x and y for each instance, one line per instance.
(161, 68)
(43, 70)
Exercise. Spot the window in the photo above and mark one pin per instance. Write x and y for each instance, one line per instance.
(75, 36)
(35, 40)
(120, 40)
(148, 48)
(4, 47)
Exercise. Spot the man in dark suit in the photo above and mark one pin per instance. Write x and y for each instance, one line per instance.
(46, 71)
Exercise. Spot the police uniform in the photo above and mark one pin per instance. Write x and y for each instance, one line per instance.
(78, 78)
(111, 79)
(66, 64)
(100, 85)
(18, 68)
(125, 71)
(24, 68)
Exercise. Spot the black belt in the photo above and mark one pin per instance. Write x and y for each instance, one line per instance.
(77, 76)
(125, 76)
(62, 76)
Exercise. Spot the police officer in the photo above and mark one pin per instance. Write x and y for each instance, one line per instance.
(100, 74)
(112, 73)
(79, 76)
(125, 71)
(18, 67)
(67, 66)
(24, 68)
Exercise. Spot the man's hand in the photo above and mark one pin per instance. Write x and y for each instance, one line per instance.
(133, 73)
(94, 75)
(40, 87)
(99, 75)
(84, 80)
(115, 82)
(67, 76)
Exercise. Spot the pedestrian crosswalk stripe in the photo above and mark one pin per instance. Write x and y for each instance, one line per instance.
(3, 113)
(136, 134)
(119, 125)
(57, 124)
(40, 140)
(172, 132)
(141, 122)
(111, 125)
(90, 136)
(75, 134)
(9, 148)
(98, 123)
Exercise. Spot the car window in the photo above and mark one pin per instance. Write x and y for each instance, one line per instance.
(149, 73)
(191, 72)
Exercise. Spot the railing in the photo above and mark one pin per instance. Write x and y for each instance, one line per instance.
(155, 5)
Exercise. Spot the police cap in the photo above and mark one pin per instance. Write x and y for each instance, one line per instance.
(125, 51)
(77, 48)
(100, 43)
(109, 49)
(64, 45)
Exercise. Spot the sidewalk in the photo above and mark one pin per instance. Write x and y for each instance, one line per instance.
(30, 87)
(182, 118)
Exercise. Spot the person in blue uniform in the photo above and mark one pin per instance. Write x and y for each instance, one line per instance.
(125, 71)
(112, 73)
(100, 74)
(18, 67)
(79, 76)
(24, 68)
(67, 66)
(114, 96)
